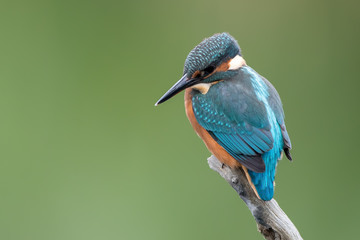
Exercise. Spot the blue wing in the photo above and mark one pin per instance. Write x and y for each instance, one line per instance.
(237, 120)
(244, 115)
(235, 117)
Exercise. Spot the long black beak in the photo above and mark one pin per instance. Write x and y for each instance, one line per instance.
(182, 84)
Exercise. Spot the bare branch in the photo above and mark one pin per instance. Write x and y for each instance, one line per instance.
(272, 222)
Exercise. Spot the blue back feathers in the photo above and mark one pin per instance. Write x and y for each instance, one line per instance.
(264, 182)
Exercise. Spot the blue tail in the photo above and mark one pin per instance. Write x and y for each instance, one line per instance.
(264, 182)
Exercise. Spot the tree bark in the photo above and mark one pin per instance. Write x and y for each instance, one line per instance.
(271, 220)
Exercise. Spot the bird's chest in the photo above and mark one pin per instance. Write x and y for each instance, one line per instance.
(210, 143)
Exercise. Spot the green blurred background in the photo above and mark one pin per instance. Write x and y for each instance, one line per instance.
(86, 155)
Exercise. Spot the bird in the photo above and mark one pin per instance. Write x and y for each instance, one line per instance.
(235, 111)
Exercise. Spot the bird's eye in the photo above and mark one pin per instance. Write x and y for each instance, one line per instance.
(207, 71)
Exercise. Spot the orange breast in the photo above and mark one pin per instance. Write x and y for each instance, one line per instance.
(218, 151)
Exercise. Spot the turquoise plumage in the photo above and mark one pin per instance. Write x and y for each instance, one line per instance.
(236, 111)
(244, 115)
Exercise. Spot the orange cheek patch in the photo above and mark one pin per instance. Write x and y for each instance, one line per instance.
(232, 64)
(223, 67)
(195, 74)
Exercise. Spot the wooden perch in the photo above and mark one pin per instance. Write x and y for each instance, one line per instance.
(271, 220)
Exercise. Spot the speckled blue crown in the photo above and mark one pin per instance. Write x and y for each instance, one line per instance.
(211, 51)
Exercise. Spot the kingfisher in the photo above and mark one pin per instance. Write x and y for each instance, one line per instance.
(234, 110)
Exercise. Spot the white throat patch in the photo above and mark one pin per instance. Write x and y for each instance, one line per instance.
(236, 63)
(202, 87)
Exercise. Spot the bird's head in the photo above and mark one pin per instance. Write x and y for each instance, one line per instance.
(215, 59)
